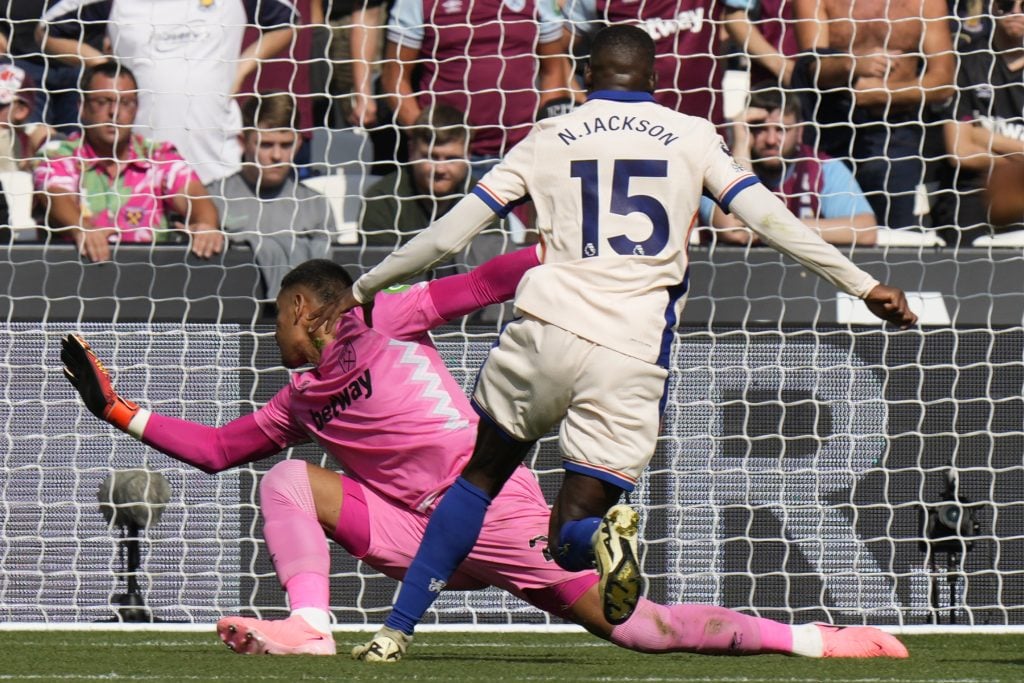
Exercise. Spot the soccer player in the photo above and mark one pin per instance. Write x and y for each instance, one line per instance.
(381, 402)
(616, 185)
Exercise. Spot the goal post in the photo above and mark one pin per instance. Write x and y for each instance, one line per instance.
(811, 465)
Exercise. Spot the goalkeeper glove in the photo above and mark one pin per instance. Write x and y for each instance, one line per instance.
(86, 373)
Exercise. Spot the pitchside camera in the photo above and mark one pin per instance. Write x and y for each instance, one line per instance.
(949, 525)
(133, 500)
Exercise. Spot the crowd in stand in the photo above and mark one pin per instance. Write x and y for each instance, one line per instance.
(191, 119)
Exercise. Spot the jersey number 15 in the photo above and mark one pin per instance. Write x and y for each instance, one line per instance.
(622, 204)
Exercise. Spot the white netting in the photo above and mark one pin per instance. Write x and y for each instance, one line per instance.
(797, 452)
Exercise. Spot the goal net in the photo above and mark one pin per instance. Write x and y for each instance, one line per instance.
(812, 466)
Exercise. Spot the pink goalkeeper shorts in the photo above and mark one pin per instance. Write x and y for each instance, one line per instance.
(510, 553)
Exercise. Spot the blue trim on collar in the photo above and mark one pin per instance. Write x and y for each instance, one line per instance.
(621, 96)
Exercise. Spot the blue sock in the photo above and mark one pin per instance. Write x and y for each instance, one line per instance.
(574, 550)
(448, 539)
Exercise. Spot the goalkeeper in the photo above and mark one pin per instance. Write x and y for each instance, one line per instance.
(381, 402)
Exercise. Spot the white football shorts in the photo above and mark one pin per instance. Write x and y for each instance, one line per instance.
(539, 374)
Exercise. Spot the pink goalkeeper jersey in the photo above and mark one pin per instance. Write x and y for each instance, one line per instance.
(382, 402)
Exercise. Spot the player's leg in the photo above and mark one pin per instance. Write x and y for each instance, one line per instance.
(455, 526)
(607, 438)
(590, 530)
(711, 630)
(509, 555)
(576, 515)
(514, 413)
(298, 502)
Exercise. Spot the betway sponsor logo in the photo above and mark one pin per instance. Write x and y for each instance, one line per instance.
(361, 388)
(689, 20)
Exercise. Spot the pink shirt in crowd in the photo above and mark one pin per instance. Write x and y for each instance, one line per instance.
(133, 195)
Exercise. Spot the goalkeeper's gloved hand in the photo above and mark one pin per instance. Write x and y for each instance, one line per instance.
(86, 372)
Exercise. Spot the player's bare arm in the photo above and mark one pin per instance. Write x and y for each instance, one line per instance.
(890, 304)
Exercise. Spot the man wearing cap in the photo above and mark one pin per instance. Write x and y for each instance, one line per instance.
(19, 139)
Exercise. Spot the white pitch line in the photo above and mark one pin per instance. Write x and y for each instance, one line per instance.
(213, 640)
(114, 676)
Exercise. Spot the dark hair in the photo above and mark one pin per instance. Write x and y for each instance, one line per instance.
(439, 125)
(111, 69)
(325, 278)
(273, 109)
(770, 97)
(625, 43)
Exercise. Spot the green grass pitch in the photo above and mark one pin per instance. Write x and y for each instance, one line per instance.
(160, 656)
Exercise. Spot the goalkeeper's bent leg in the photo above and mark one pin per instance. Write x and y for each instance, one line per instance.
(296, 541)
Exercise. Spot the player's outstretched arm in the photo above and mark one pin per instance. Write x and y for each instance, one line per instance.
(492, 282)
(210, 449)
(890, 304)
(454, 296)
(766, 215)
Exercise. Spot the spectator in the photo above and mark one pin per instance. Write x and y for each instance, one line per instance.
(985, 124)
(19, 139)
(764, 32)
(879, 73)
(817, 189)
(408, 200)
(109, 185)
(482, 58)
(283, 222)
(404, 202)
(54, 100)
(189, 59)
(685, 34)
(351, 42)
(971, 24)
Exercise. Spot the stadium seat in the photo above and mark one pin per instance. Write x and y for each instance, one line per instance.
(1003, 240)
(735, 90)
(348, 150)
(908, 237)
(344, 194)
(17, 188)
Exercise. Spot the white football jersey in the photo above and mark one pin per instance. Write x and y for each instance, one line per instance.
(617, 185)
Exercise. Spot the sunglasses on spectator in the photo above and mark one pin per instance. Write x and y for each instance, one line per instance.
(1008, 6)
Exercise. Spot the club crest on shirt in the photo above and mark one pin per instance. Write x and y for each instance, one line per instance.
(347, 357)
(207, 4)
(515, 5)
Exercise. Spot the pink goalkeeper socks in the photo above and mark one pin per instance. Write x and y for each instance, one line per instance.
(308, 590)
(703, 629)
(297, 545)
